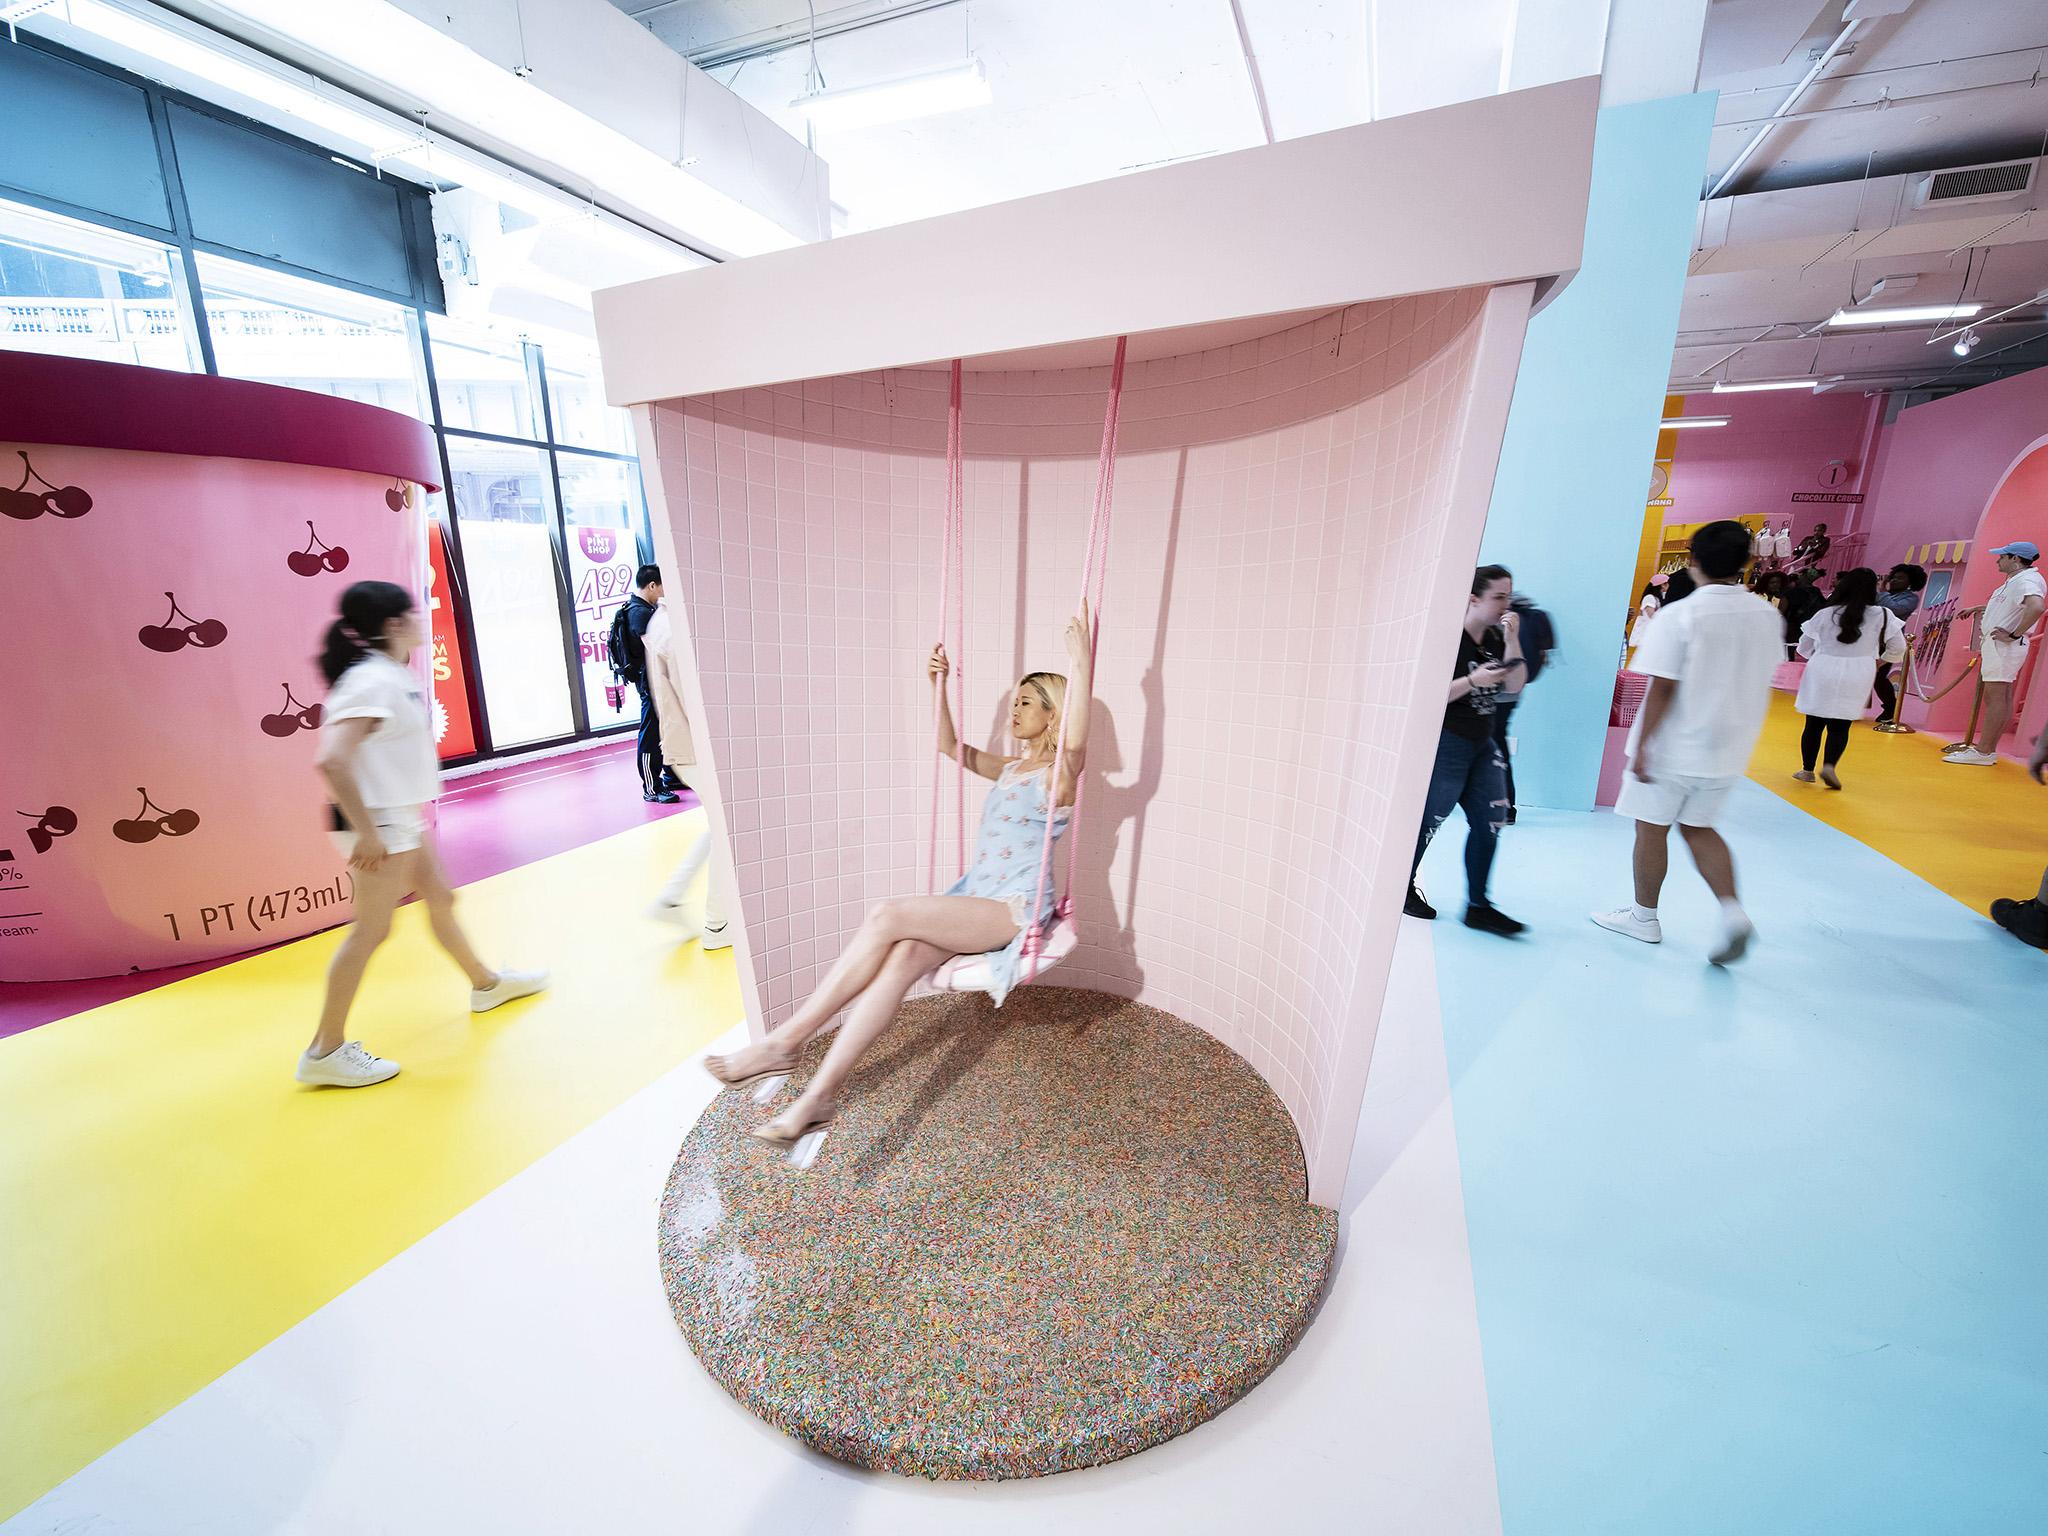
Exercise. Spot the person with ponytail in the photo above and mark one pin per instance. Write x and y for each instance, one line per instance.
(377, 754)
(1843, 644)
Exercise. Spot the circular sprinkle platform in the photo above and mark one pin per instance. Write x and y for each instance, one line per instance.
(1035, 1239)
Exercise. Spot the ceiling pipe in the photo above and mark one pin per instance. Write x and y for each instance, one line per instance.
(1770, 124)
(1971, 325)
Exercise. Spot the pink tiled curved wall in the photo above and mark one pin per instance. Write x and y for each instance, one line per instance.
(1279, 539)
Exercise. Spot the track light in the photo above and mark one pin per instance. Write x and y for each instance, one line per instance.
(1966, 343)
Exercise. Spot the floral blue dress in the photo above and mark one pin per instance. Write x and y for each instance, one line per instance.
(1005, 867)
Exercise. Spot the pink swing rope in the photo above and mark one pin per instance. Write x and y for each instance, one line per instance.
(952, 573)
(1094, 575)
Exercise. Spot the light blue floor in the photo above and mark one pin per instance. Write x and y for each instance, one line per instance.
(1760, 1251)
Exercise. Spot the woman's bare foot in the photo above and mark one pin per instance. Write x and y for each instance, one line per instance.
(795, 1122)
(762, 1059)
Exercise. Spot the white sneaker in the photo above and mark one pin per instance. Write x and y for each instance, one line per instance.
(510, 984)
(346, 1066)
(1971, 757)
(1735, 941)
(716, 938)
(669, 912)
(1624, 920)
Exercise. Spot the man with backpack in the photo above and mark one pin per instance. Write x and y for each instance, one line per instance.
(1539, 639)
(627, 644)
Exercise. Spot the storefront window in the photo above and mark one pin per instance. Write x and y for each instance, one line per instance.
(601, 516)
(80, 291)
(486, 382)
(576, 397)
(503, 504)
(286, 330)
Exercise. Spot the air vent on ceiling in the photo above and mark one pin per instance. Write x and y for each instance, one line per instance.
(1974, 183)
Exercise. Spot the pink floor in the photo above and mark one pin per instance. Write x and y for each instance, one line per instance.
(488, 824)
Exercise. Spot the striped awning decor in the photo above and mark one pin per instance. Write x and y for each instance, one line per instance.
(1940, 552)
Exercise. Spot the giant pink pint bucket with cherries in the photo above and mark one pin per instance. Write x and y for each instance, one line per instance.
(172, 548)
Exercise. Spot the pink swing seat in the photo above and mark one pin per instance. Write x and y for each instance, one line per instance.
(970, 973)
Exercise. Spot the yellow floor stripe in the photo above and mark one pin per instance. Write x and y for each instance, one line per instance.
(1976, 833)
(170, 1200)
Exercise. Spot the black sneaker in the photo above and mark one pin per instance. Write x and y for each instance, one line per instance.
(1415, 906)
(660, 796)
(1490, 919)
(2024, 920)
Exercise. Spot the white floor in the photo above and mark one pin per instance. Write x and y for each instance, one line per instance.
(518, 1371)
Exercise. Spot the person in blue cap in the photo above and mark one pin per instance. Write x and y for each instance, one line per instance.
(2009, 613)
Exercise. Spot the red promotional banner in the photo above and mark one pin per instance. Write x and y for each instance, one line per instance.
(454, 733)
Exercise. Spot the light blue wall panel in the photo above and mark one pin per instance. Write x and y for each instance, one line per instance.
(1575, 464)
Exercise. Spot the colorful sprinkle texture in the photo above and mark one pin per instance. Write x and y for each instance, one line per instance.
(1035, 1239)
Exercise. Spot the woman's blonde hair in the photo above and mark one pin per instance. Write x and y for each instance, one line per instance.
(1052, 688)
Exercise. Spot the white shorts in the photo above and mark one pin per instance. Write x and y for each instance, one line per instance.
(401, 828)
(1672, 797)
(2002, 659)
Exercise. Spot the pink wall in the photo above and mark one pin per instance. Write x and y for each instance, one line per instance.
(1775, 445)
(94, 717)
(1295, 522)
(1939, 463)
(1932, 469)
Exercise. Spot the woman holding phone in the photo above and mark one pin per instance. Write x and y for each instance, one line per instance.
(1469, 771)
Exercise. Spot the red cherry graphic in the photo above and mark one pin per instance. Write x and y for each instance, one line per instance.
(167, 637)
(59, 501)
(58, 821)
(153, 821)
(316, 557)
(399, 497)
(293, 718)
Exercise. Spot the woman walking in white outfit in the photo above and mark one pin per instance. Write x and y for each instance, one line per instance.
(377, 753)
(1843, 644)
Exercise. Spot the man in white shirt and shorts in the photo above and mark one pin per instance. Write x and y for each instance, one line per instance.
(2009, 613)
(1709, 658)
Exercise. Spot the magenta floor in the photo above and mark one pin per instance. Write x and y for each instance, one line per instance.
(488, 824)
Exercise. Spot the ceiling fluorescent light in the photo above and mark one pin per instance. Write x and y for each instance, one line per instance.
(1694, 421)
(1905, 314)
(1725, 388)
(472, 95)
(952, 89)
(382, 138)
(174, 49)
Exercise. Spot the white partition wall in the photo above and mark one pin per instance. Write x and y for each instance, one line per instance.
(1299, 500)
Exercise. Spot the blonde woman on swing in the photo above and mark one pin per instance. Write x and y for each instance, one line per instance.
(986, 911)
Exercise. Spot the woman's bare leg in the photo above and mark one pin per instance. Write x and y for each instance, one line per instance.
(439, 897)
(378, 893)
(939, 927)
(959, 925)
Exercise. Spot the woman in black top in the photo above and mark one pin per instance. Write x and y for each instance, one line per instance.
(1468, 769)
